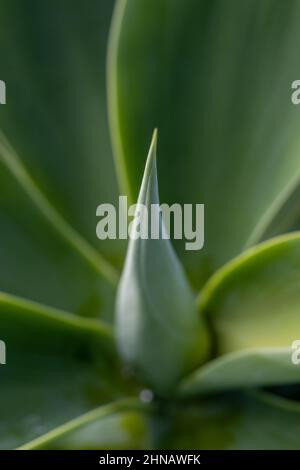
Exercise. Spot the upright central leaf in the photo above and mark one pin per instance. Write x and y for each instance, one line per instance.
(158, 328)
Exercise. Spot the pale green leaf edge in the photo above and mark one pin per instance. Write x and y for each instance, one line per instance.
(217, 279)
(242, 369)
(270, 214)
(35, 310)
(112, 95)
(116, 135)
(128, 404)
(14, 164)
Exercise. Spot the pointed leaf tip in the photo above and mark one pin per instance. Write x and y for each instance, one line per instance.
(150, 162)
(159, 332)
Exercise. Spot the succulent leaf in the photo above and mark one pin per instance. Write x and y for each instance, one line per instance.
(158, 329)
(254, 301)
(243, 369)
(53, 62)
(215, 77)
(118, 425)
(58, 367)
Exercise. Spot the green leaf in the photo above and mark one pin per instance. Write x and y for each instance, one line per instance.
(53, 62)
(58, 366)
(288, 217)
(215, 77)
(118, 425)
(254, 301)
(242, 369)
(235, 421)
(158, 329)
(224, 422)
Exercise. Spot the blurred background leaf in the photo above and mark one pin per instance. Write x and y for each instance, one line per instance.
(53, 62)
(58, 367)
(119, 425)
(256, 367)
(215, 77)
(254, 301)
(235, 421)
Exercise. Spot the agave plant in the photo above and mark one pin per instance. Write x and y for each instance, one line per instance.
(157, 347)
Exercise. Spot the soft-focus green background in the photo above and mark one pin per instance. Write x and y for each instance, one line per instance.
(53, 56)
(84, 94)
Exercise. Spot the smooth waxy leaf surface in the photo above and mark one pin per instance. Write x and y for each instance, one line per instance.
(158, 329)
(53, 63)
(57, 367)
(215, 77)
(254, 301)
(242, 369)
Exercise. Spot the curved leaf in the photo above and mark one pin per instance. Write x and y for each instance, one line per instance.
(158, 329)
(242, 369)
(57, 367)
(244, 421)
(52, 60)
(254, 301)
(119, 425)
(215, 77)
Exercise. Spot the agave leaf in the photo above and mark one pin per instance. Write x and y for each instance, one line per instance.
(244, 421)
(241, 369)
(58, 366)
(236, 421)
(215, 77)
(159, 332)
(118, 425)
(254, 301)
(55, 120)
